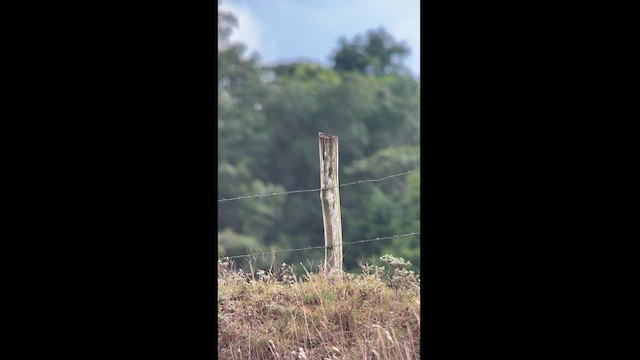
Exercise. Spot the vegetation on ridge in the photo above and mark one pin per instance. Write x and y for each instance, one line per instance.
(277, 314)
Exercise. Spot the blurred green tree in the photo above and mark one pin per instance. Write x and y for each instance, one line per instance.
(377, 53)
(243, 142)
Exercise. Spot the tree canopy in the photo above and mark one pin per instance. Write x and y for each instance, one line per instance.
(376, 53)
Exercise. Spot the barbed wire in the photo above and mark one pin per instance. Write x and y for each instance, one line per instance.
(319, 247)
(314, 190)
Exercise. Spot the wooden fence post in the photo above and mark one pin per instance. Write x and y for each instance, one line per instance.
(330, 199)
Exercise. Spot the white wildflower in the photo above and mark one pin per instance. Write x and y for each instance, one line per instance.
(388, 336)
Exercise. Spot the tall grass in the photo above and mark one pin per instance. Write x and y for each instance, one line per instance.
(277, 314)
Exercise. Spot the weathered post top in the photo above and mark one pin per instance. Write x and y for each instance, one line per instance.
(321, 134)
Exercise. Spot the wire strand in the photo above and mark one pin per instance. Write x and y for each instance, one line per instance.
(375, 180)
(319, 247)
(314, 190)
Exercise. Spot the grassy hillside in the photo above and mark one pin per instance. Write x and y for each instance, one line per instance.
(276, 314)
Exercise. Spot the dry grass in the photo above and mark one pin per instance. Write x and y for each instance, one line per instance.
(278, 315)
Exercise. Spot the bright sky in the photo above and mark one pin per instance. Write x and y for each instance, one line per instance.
(288, 30)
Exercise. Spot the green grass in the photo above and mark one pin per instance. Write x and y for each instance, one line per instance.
(279, 315)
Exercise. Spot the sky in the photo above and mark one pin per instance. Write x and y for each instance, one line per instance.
(308, 30)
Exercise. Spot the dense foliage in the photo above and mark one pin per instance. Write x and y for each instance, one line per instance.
(268, 124)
